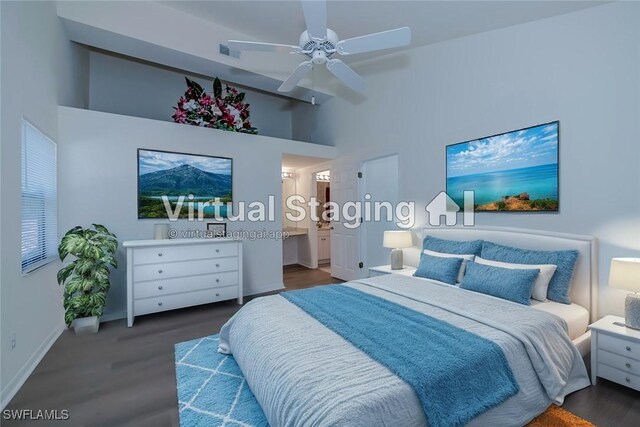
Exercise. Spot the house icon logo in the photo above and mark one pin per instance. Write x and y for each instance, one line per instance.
(443, 206)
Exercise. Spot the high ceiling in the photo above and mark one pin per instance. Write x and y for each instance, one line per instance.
(430, 21)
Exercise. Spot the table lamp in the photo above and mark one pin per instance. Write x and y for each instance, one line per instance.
(396, 240)
(625, 274)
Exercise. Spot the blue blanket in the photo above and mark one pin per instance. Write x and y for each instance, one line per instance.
(455, 374)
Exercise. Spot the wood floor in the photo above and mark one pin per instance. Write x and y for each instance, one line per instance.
(299, 277)
(125, 376)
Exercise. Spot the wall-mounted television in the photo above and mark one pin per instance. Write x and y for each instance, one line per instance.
(171, 183)
(514, 171)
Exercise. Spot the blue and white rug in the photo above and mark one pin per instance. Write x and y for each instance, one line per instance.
(212, 391)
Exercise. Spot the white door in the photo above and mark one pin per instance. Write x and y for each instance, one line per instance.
(381, 183)
(345, 242)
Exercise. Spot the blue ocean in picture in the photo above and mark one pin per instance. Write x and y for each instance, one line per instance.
(512, 171)
(540, 182)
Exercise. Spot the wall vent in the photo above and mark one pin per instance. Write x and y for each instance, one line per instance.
(224, 50)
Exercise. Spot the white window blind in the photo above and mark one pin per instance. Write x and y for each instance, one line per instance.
(39, 199)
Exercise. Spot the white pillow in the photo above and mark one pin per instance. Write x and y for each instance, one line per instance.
(541, 284)
(463, 266)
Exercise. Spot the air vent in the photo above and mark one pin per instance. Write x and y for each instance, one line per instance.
(224, 50)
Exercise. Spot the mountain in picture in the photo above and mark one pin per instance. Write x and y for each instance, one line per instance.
(168, 177)
(185, 180)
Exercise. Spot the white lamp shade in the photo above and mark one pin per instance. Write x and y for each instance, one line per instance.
(625, 274)
(397, 239)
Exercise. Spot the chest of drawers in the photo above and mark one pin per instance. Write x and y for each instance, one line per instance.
(169, 274)
(615, 352)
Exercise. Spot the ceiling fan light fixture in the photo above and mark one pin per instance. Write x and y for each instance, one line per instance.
(320, 43)
(319, 57)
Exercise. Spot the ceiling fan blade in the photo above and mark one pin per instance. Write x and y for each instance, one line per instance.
(262, 47)
(315, 15)
(376, 41)
(349, 77)
(295, 77)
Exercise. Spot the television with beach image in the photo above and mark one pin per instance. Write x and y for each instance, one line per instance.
(515, 171)
(173, 185)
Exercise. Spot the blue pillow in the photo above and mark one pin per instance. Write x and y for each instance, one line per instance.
(506, 283)
(437, 268)
(560, 283)
(471, 247)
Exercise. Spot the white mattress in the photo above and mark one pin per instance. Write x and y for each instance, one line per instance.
(576, 316)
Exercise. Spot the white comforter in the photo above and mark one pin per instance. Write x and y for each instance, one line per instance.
(303, 374)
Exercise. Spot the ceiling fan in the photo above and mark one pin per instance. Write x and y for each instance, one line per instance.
(320, 43)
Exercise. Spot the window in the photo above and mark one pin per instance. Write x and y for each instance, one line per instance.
(39, 199)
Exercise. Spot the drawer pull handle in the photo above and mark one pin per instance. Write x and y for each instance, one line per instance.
(160, 271)
(160, 287)
(217, 295)
(217, 265)
(159, 253)
(217, 280)
(160, 303)
(628, 379)
(628, 365)
(217, 250)
(628, 348)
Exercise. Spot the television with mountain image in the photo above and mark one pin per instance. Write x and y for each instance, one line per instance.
(171, 185)
(514, 171)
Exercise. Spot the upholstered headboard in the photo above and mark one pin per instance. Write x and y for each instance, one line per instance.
(584, 288)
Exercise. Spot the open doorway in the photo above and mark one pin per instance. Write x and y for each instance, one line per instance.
(323, 196)
(306, 238)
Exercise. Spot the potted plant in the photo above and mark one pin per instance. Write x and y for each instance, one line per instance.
(86, 278)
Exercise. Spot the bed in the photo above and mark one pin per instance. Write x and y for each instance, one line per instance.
(584, 289)
(302, 372)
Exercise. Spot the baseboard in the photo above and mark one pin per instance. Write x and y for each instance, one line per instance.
(27, 369)
(307, 264)
(116, 315)
(265, 289)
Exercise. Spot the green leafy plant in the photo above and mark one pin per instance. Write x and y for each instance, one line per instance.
(86, 278)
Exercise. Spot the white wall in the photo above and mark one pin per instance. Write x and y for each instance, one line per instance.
(40, 69)
(98, 174)
(581, 68)
(123, 86)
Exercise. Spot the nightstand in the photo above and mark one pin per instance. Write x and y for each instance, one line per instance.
(615, 352)
(382, 270)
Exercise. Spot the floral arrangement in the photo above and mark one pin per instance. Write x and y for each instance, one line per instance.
(227, 112)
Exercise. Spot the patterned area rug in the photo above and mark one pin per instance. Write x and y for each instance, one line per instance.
(212, 392)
